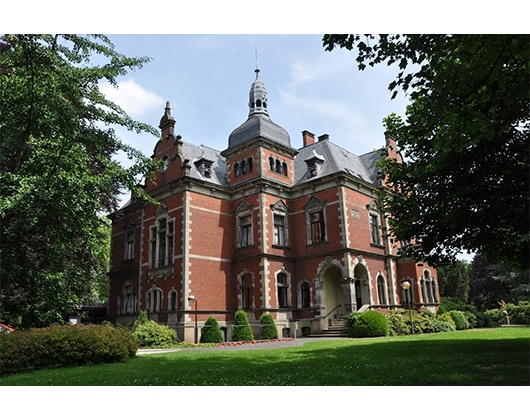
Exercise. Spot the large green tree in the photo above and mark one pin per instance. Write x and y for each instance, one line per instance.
(58, 170)
(464, 182)
(453, 280)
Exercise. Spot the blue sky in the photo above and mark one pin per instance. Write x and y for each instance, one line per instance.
(207, 79)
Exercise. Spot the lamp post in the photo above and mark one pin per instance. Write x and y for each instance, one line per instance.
(192, 298)
(406, 287)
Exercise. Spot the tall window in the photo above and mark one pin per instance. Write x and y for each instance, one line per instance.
(154, 300)
(162, 243)
(317, 227)
(245, 231)
(246, 291)
(283, 290)
(173, 300)
(381, 290)
(129, 245)
(305, 295)
(280, 230)
(375, 232)
(316, 221)
(127, 301)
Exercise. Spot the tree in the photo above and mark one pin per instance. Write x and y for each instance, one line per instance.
(490, 284)
(464, 181)
(241, 331)
(268, 327)
(211, 333)
(453, 280)
(58, 175)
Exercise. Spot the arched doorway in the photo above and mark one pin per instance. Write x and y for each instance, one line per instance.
(333, 291)
(362, 286)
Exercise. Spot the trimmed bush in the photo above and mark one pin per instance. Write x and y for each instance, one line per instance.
(211, 333)
(64, 345)
(459, 319)
(150, 334)
(268, 327)
(519, 313)
(445, 317)
(370, 324)
(442, 326)
(241, 331)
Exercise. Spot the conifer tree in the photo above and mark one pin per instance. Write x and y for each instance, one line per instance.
(268, 327)
(241, 331)
(211, 333)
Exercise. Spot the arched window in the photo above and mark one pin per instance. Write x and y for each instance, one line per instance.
(250, 162)
(246, 291)
(173, 300)
(258, 103)
(154, 300)
(283, 290)
(236, 169)
(381, 290)
(271, 164)
(278, 167)
(305, 295)
(284, 168)
(243, 166)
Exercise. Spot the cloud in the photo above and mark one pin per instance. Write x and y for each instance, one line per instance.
(132, 97)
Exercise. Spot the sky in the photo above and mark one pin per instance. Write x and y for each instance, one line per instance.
(207, 79)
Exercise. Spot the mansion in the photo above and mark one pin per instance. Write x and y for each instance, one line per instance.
(262, 227)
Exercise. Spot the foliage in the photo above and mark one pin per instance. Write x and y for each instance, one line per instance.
(518, 314)
(350, 322)
(453, 280)
(150, 334)
(268, 327)
(442, 326)
(241, 330)
(459, 319)
(58, 172)
(445, 317)
(369, 324)
(211, 333)
(463, 182)
(64, 345)
(491, 283)
(424, 322)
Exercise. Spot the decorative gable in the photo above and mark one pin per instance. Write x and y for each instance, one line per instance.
(243, 207)
(280, 207)
(314, 203)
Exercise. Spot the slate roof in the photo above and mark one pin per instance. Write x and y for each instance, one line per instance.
(258, 125)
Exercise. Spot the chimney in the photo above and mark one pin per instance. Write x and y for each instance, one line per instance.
(308, 138)
(323, 137)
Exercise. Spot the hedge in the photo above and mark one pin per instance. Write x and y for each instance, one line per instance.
(64, 345)
(268, 327)
(241, 331)
(368, 324)
(211, 333)
(150, 334)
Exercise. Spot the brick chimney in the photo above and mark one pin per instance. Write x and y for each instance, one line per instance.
(323, 137)
(308, 138)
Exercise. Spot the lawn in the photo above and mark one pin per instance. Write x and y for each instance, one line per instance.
(475, 357)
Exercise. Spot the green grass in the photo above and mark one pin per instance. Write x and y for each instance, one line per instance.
(475, 357)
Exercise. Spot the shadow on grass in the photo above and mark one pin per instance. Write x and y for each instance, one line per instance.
(434, 359)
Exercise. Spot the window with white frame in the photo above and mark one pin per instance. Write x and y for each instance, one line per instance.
(282, 282)
(154, 300)
(316, 221)
(246, 290)
(279, 212)
(129, 245)
(172, 300)
(162, 233)
(381, 290)
(305, 295)
(127, 300)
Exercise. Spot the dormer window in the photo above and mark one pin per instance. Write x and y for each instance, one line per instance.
(204, 167)
(314, 163)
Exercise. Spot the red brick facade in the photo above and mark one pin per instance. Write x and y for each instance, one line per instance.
(259, 226)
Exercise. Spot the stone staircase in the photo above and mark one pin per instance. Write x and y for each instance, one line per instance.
(336, 329)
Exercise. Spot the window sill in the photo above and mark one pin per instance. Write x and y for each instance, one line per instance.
(245, 247)
(377, 246)
(317, 244)
(281, 246)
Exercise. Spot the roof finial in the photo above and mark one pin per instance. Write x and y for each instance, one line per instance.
(256, 51)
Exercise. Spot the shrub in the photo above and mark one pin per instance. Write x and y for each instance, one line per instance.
(350, 322)
(242, 331)
(150, 334)
(268, 327)
(445, 317)
(460, 320)
(397, 324)
(494, 317)
(64, 345)
(211, 333)
(442, 326)
(518, 313)
(370, 324)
